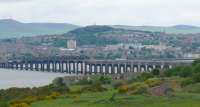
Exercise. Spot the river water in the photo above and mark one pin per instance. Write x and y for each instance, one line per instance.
(17, 78)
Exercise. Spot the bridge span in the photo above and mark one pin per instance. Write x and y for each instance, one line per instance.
(89, 66)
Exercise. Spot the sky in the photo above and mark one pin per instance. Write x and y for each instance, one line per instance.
(104, 12)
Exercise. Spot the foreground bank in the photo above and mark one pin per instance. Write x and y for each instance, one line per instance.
(177, 87)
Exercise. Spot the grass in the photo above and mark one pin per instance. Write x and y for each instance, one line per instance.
(188, 96)
(193, 88)
(102, 100)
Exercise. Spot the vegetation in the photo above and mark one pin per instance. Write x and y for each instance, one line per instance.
(178, 29)
(177, 87)
(13, 29)
(92, 35)
(191, 73)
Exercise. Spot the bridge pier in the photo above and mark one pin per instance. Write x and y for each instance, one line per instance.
(89, 67)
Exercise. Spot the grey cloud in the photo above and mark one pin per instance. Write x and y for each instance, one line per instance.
(12, 1)
(84, 12)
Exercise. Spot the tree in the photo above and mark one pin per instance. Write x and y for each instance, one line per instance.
(58, 82)
(59, 85)
(174, 71)
(196, 77)
(156, 72)
(197, 61)
(186, 71)
(105, 80)
(196, 68)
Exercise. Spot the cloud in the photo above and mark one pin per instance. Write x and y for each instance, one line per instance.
(11, 1)
(85, 12)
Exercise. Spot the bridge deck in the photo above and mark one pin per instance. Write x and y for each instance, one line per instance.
(89, 66)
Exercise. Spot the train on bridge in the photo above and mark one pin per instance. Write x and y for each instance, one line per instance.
(88, 66)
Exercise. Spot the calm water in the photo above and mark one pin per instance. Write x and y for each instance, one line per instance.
(17, 78)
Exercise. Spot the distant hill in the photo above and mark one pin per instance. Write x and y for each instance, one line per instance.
(183, 29)
(95, 36)
(10, 28)
(92, 35)
(104, 35)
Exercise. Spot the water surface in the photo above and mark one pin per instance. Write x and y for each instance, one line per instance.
(17, 78)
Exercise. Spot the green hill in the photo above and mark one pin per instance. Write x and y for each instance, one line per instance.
(13, 29)
(182, 29)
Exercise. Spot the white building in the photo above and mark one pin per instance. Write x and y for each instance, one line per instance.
(71, 44)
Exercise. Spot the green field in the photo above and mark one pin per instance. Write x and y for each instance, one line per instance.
(102, 100)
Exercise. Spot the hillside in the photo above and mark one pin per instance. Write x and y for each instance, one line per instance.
(13, 29)
(183, 29)
(104, 35)
(92, 35)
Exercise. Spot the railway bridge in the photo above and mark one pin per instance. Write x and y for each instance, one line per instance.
(89, 66)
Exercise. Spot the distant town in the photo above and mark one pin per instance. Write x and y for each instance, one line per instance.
(104, 42)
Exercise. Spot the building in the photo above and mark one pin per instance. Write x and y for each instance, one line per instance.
(159, 47)
(71, 44)
(192, 55)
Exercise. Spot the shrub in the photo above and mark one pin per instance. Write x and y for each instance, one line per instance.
(58, 82)
(48, 98)
(153, 82)
(196, 77)
(75, 90)
(118, 83)
(93, 88)
(101, 78)
(105, 79)
(58, 85)
(186, 82)
(197, 61)
(97, 78)
(94, 84)
(20, 105)
(27, 100)
(4, 104)
(168, 73)
(138, 88)
(156, 72)
(169, 92)
(182, 71)
(173, 72)
(145, 76)
(84, 81)
(186, 71)
(15, 102)
(196, 68)
(193, 88)
(53, 95)
(132, 79)
(113, 96)
(30, 99)
(123, 89)
(76, 98)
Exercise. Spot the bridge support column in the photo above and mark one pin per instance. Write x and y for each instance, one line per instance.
(31, 66)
